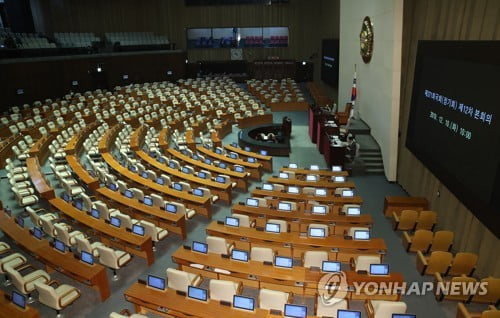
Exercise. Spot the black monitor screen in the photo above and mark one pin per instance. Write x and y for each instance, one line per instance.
(454, 126)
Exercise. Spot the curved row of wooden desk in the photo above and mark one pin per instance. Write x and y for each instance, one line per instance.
(317, 184)
(329, 198)
(266, 161)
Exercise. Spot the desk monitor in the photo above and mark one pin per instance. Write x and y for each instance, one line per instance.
(220, 179)
(172, 165)
(263, 152)
(230, 221)
(251, 160)
(144, 174)
(273, 228)
(241, 302)
(314, 167)
(20, 221)
(67, 198)
(267, 187)
(160, 181)
(218, 151)
(319, 209)
(379, 269)
(18, 299)
(353, 210)
(347, 193)
(87, 258)
(169, 207)
(404, 316)
(152, 154)
(317, 232)
(331, 267)
(207, 146)
(112, 187)
(148, 201)
(177, 186)
(199, 247)
(59, 245)
(137, 229)
(252, 202)
(129, 194)
(185, 170)
(197, 293)
(195, 157)
(234, 144)
(161, 160)
(295, 311)
(184, 152)
(284, 262)
(311, 177)
(202, 175)
(361, 235)
(247, 149)
(208, 161)
(78, 204)
(320, 192)
(115, 221)
(293, 190)
(283, 175)
(222, 165)
(95, 213)
(198, 192)
(37, 232)
(284, 206)
(132, 168)
(239, 255)
(292, 166)
(239, 169)
(343, 313)
(156, 282)
(338, 179)
(336, 168)
(233, 155)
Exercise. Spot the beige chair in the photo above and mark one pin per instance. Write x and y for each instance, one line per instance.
(308, 190)
(314, 258)
(463, 264)
(14, 261)
(125, 220)
(104, 212)
(65, 236)
(420, 241)
(219, 245)
(384, 308)
(273, 299)
(49, 229)
(180, 280)
(492, 295)
(156, 233)
(36, 218)
(330, 309)
(26, 284)
(278, 187)
(363, 262)
(57, 298)
(282, 223)
(244, 220)
(438, 262)
(4, 248)
(224, 290)
(113, 259)
(83, 244)
(181, 208)
(405, 221)
(261, 254)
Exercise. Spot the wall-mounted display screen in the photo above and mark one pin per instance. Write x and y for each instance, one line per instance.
(266, 37)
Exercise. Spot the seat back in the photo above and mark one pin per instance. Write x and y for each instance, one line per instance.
(426, 220)
(178, 280)
(244, 219)
(157, 200)
(308, 190)
(492, 295)
(223, 290)
(217, 245)
(278, 187)
(108, 257)
(83, 244)
(387, 308)
(330, 309)
(47, 295)
(261, 254)
(463, 264)
(62, 233)
(421, 241)
(443, 240)
(150, 229)
(47, 226)
(272, 299)
(363, 262)
(438, 262)
(262, 202)
(315, 258)
(407, 220)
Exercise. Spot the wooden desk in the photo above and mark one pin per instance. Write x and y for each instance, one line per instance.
(168, 304)
(292, 243)
(321, 173)
(222, 190)
(398, 204)
(239, 177)
(9, 310)
(316, 184)
(164, 138)
(38, 179)
(40, 148)
(266, 161)
(299, 280)
(223, 129)
(137, 138)
(110, 235)
(253, 168)
(202, 205)
(82, 173)
(255, 120)
(299, 220)
(175, 223)
(330, 198)
(94, 276)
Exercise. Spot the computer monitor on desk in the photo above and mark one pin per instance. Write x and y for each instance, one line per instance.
(331, 267)
(37, 232)
(95, 213)
(177, 186)
(198, 192)
(148, 201)
(111, 186)
(295, 311)
(284, 262)
(311, 178)
(404, 316)
(273, 228)
(230, 221)
(239, 169)
(314, 167)
(156, 282)
(115, 221)
(245, 303)
(239, 255)
(284, 206)
(338, 179)
(144, 174)
(317, 232)
(283, 175)
(185, 170)
(233, 155)
(60, 246)
(222, 165)
(160, 181)
(137, 229)
(292, 166)
(78, 204)
(197, 293)
(220, 179)
(347, 193)
(319, 209)
(263, 152)
(251, 160)
(129, 194)
(252, 202)
(87, 258)
(379, 269)
(199, 247)
(293, 190)
(202, 175)
(353, 211)
(172, 165)
(336, 168)
(18, 299)
(320, 192)
(343, 313)
(362, 235)
(20, 221)
(267, 187)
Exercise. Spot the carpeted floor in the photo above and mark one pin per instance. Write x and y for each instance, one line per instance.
(373, 189)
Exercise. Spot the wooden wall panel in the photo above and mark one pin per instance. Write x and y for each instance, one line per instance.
(445, 20)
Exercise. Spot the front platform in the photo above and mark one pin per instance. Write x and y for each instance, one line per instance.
(247, 138)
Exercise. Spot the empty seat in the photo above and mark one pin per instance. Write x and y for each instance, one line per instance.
(26, 284)
(57, 298)
(113, 259)
(180, 280)
(492, 295)
(224, 289)
(426, 220)
(463, 264)
(420, 241)
(314, 258)
(244, 220)
(438, 262)
(261, 254)
(405, 221)
(443, 241)
(218, 245)
(83, 244)
(363, 262)
(68, 238)
(330, 309)
(273, 299)
(384, 308)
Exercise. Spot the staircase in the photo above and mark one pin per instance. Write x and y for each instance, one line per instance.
(373, 160)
